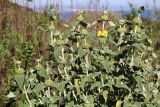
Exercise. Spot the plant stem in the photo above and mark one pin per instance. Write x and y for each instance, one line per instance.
(103, 25)
(47, 69)
(135, 29)
(62, 53)
(66, 73)
(64, 93)
(65, 70)
(60, 72)
(102, 80)
(79, 26)
(52, 36)
(87, 63)
(72, 58)
(40, 101)
(85, 98)
(99, 89)
(27, 97)
(48, 93)
(85, 41)
(77, 44)
(74, 95)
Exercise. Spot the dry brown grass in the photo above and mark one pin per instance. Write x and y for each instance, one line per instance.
(22, 19)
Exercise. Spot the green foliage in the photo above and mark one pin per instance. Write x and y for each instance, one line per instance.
(151, 27)
(79, 74)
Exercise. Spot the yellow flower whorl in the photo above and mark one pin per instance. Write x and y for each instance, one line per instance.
(102, 33)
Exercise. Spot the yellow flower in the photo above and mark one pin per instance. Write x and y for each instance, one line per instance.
(48, 82)
(102, 33)
(99, 33)
(118, 103)
(77, 81)
(105, 33)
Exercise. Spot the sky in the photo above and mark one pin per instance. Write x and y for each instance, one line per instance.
(114, 5)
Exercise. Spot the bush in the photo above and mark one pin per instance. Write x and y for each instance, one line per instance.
(78, 73)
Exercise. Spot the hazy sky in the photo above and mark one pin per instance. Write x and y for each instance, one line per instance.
(111, 4)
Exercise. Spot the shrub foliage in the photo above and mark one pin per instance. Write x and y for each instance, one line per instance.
(79, 73)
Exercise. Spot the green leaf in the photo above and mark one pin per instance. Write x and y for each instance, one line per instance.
(136, 61)
(139, 79)
(38, 88)
(89, 105)
(42, 73)
(139, 46)
(33, 102)
(95, 85)
(60, 85)
(83, 82)
(78, 89)
(57, 53)
(52, 105)
(95, 74)
(20, 80)
(11, 95)
(104, 105)
(138, 104)
(111, 23)
(119, 85)
(91, 37)
(158, 98)
(23, 104)
(78, 105)
(74, 23)
(70, 104)
(55, 98)
(68, 96)
(105, 95)
(126, 103)
(103, 40)
(90, 99)
(111, 52)
(1, 48)
(150, 105)
(82, 52)
(46, 99)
